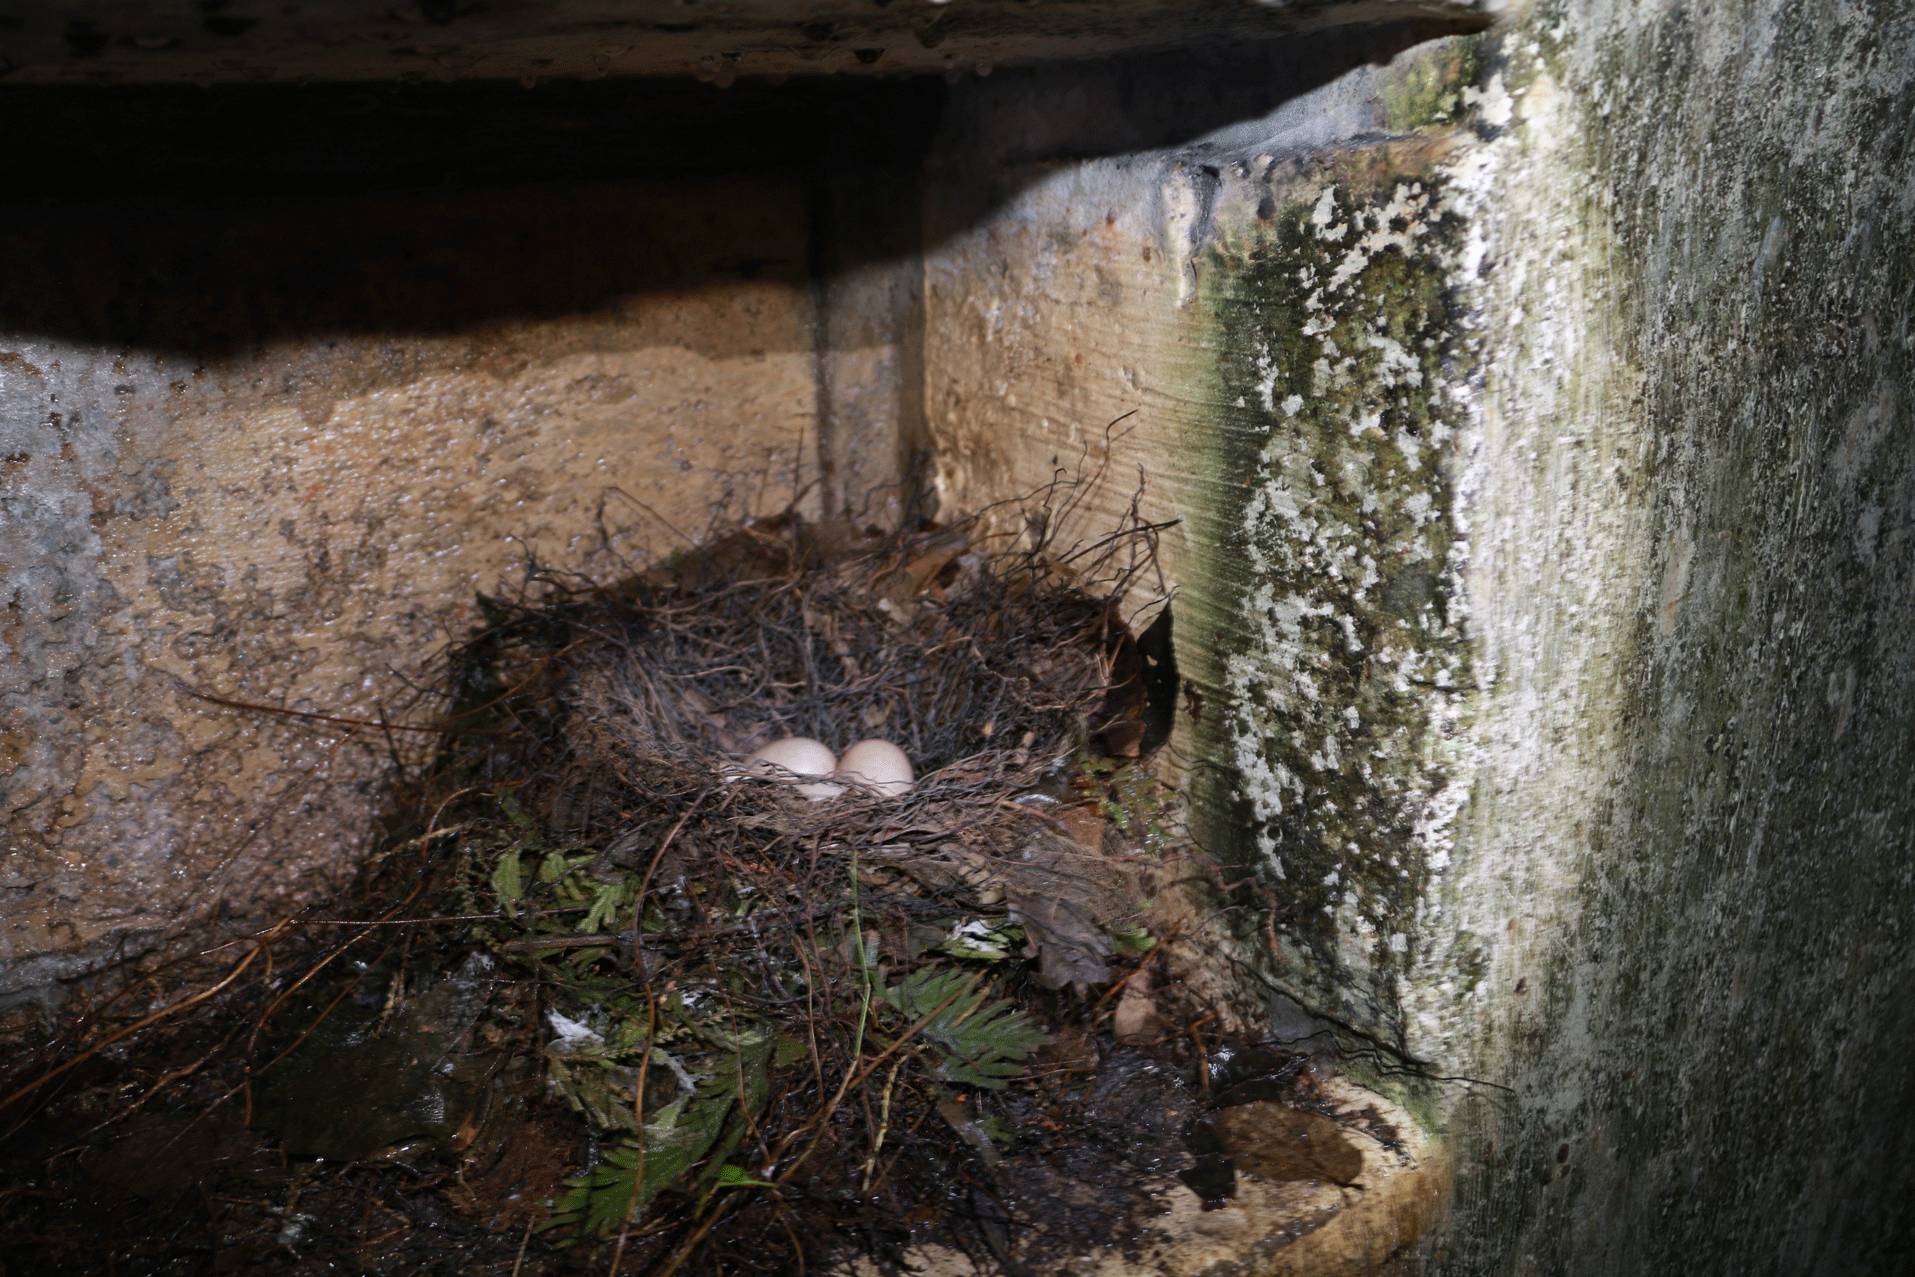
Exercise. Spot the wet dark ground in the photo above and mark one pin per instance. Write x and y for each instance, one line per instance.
(408, 1133)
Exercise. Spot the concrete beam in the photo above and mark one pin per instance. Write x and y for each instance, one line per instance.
(253, 41)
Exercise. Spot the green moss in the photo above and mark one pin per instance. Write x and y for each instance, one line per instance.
(1408, 1090)
(1131, 797)
(1425, 86)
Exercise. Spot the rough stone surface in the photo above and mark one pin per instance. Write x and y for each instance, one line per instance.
(1688, 866)
(269, 451)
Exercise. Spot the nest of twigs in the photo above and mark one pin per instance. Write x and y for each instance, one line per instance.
(759, 1000)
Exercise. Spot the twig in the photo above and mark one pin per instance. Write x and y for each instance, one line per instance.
(518, 1264)
(1118, 986)
(884, 1123)
(852, 1080)
(638, 1137)
(538, 944)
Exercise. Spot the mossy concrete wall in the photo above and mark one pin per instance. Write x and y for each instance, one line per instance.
(1536, 414)
(1696, 893)
(1268, 315)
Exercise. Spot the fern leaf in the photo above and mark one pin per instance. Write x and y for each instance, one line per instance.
(983, 1043)
(686, 1132)
(604, 908)
(508, 881)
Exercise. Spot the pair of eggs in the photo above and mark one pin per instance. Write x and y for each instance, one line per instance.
(875, 766)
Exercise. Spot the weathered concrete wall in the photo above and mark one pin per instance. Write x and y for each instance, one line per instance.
(269, 449)
(1694, 903)
(1545, 567)
(1267, 309)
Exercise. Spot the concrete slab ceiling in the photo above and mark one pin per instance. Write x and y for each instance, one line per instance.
(261, 41)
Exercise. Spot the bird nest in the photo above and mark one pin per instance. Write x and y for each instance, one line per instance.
(741, 988)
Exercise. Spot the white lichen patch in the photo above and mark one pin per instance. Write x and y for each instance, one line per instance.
(1350, 653)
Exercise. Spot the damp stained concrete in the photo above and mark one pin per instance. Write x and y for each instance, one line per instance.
(1689, 859)
(1254, 340)
(1615, 630)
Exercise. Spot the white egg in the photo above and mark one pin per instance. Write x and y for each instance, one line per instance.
(877, 766)
(802, 760)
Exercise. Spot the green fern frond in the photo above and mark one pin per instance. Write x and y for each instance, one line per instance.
(983, 1043)
(706, 1125)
